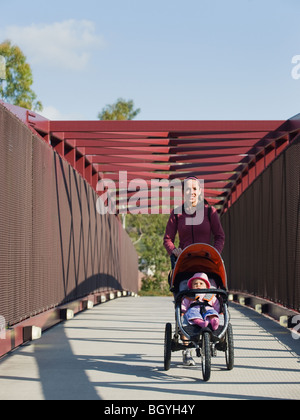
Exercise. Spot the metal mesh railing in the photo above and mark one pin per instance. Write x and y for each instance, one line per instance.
(54, 246)
(262, 250)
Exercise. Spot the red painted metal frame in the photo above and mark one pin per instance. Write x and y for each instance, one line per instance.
(228, 155)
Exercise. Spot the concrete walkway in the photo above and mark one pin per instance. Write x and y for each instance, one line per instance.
(115, 352)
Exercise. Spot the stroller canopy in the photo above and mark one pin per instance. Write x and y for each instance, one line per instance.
(200, 258)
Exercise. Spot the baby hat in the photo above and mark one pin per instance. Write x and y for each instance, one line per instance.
(201, 276)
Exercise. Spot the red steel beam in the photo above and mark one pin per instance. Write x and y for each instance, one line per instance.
(177, 127)
(116, 143)
(124, 151)
(107, 167)
(227, 154)
(121, 159)
(217, 151)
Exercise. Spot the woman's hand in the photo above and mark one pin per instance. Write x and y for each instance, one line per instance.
(177, 252)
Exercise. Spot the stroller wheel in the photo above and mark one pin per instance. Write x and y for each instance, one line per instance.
(229, 353)
(206, 356)
(168, 346)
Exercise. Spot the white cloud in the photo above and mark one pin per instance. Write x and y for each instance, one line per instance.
(65, 45)
(53, 114)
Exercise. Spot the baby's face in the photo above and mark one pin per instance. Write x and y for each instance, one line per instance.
(199, 284)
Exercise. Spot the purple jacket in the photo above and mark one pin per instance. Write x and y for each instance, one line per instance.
(189, 234)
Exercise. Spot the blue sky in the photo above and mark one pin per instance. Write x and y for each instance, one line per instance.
(178, 60)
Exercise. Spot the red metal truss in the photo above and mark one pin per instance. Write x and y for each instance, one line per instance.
(228, 155)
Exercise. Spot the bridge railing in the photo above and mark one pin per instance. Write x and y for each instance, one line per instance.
(262, 251)
(54, 246)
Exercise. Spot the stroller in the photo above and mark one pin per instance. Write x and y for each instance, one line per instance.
(200, 258)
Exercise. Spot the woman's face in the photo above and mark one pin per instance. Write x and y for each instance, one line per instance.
(191, 192)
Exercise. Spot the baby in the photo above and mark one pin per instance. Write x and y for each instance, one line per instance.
(203, 309)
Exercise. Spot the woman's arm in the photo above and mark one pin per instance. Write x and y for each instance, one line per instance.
(170, 234)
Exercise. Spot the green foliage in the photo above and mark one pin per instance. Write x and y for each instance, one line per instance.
(147, 233)
(16, 90)
(119, 111)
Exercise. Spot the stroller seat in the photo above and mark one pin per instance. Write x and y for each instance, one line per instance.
(195, 330)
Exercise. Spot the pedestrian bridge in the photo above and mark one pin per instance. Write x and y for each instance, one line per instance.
(115, 352)
(59, 257)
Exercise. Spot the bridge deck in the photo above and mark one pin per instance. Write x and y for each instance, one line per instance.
(115, 352)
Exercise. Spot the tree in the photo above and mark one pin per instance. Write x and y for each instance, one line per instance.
(16, 89)
(147, 233)
(119, 111)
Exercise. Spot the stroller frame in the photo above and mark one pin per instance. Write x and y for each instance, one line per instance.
(199, 258)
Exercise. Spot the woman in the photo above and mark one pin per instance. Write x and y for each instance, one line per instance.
(193, 233)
